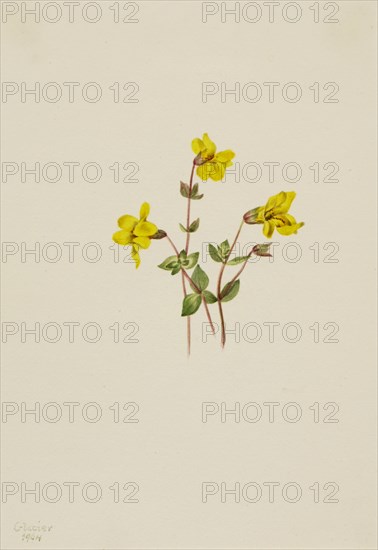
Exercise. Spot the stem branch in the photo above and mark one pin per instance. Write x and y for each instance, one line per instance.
(219, 286)
(185, 275)
(242, 268)
(188, 328)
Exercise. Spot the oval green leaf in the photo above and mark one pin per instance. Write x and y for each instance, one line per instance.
(230, 290)
(200, 279)
(190, 304)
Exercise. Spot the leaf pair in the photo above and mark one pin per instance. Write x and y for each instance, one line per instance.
(175, 263)
(190, 194)
(199, 283)
(221, 252)
(192, 228)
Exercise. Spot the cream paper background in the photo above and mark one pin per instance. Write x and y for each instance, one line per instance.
(170, 452)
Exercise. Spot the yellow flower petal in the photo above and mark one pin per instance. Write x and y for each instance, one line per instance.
(143, 242)
(209, 170)
(210, 146)
(127, 222)
(204, 171)
(224, 156)
(275, 201)
(288, 219)
(145, 229)
(218, 172)
(198, 146)
(135, 256)
(289, 229)
(144, 211)
(268, 229)
(284, 206)
(260, 215)
(123, 237)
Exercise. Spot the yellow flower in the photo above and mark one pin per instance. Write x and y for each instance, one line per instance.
(135, 233)
(274, 215)
(210, 163)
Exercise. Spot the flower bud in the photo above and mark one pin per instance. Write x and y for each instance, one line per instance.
(251, 216)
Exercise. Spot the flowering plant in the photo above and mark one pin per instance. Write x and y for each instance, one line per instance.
(138, 233)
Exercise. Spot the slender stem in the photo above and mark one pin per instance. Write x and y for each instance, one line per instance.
(188, 210)
(243, 267)
(172, 244)
(188, 328)
(203, 299)
(188, 320)
(190, 280)
(219, 287)
(208, 313)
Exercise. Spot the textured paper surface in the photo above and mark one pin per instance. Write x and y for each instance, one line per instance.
(167, 456)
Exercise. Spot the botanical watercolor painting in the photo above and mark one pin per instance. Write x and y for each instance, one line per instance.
(138, 232)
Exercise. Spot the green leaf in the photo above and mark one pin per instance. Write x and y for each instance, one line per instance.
(176, 269)
(194, 195)
(191, 304)
(194, 190)
(184, 189)
(209, 297)
(229, 291)
(224, 248)
(194, 225)
(192, 259)
(173, 264)
(238, 260)
(200, 279)
(192, 228)
(182, 256)
(214, 254)
(262, 249)
(167, 261)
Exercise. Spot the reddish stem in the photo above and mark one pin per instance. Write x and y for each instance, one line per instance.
(188, 210)
(185, 275)
(188, 328)
(219, 287)
(242, 268)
